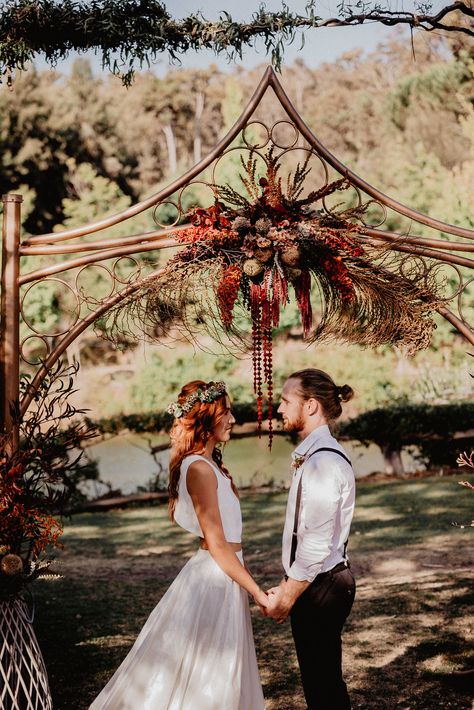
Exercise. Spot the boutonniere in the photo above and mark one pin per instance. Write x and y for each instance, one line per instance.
(297, 462)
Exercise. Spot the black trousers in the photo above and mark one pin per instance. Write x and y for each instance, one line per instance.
(317, 618)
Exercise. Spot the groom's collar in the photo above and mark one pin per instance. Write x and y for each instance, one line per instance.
(310, 441)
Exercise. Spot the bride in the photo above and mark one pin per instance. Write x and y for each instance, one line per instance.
(196, 650)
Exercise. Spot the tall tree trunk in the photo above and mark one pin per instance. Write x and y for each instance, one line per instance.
(299, 103)
(171, 146)
(392, 460)
(198, 111)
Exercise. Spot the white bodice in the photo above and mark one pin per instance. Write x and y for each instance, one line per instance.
(229, 506)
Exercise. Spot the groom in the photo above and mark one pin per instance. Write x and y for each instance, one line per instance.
(318, 589)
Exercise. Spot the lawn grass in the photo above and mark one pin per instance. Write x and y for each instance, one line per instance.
(410, 629)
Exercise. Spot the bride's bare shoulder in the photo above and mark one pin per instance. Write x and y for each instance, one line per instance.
(200, 473)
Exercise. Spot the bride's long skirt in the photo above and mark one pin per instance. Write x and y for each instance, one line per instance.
(195, 651)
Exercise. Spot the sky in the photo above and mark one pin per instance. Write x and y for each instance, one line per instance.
(321, 45)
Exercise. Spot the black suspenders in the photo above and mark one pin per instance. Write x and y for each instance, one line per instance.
(294, 539)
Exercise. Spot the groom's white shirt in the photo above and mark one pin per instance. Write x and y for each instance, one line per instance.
(327, 507)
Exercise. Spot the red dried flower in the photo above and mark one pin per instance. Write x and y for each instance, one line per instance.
(227, 292)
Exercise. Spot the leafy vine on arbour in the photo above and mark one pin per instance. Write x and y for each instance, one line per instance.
(39, 478)
(245, 252)
(150, 30)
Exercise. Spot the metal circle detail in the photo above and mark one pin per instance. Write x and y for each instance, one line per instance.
(183, 208)
(357, 192)
(461, 294)
(455, 283)
(85, 297)
(251, 143)
(285, 145)
(169, 224)
(134, 274)
(39, 360)
(243, 149)
(75, 312)
(374, 225)
(314, 154)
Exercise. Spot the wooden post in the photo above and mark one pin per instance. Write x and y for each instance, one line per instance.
(10, 314)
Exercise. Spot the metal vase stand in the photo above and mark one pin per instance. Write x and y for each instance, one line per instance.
(23, 678)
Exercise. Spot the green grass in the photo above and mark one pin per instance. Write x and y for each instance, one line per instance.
(409, 630)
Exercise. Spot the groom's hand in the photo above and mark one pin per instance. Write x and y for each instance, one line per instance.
(278, 605)
(282, 598)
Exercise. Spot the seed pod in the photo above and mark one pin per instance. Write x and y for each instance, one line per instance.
(264, 255)
(252, 267)
(11, 565)
(291, 256)
(262, 225)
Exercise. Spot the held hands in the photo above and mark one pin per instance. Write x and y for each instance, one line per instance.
(267, 604)
(274, 603)
(277, 602)
(279, 605)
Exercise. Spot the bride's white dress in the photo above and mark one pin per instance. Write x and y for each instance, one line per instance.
(196, 650)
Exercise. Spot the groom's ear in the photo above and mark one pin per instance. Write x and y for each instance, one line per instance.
(312, 406)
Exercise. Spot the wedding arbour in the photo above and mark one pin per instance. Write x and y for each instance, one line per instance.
(287, 134)
(274, 140)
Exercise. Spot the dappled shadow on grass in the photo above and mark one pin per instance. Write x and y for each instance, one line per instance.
(85, 629)
(400, 513)
(401, 685)
(402, 639)
(394, 513)
(123, 532)
(403, 643)
(399, 649)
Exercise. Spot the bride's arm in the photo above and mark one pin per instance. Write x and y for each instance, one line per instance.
(202, 486)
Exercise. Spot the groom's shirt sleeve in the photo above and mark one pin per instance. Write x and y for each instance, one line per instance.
(321, 499)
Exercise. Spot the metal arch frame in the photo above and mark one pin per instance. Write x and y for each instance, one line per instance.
(101, 250)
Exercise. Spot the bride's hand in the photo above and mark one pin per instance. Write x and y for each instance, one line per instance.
(261, 599)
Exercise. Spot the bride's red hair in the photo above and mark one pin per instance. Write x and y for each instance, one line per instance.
(190, 433)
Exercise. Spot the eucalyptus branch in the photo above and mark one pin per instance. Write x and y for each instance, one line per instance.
(133, 33)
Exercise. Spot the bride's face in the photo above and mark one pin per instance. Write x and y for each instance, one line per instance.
(223, 428)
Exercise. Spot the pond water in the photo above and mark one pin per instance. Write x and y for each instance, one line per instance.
(125, 461)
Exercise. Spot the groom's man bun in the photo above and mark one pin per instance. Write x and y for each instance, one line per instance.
(316, 384)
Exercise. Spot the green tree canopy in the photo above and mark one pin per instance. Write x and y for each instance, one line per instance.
(131, 33)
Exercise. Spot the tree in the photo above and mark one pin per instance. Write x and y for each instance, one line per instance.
(131, 33)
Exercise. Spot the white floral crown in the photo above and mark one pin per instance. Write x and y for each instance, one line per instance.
(208, 393)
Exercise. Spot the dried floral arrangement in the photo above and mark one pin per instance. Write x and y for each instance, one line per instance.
(243, 253)
(37, 480)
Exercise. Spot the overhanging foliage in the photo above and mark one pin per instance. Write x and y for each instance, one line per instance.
(404, 424)
(132, 33)
(160, 421)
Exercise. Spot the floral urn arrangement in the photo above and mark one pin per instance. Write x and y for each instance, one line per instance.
(34, 486)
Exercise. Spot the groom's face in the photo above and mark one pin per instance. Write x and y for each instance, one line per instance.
(291, 407)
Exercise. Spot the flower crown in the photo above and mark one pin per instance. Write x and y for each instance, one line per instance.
(208, 393)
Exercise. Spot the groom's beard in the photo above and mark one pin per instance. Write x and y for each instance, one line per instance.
(293, 425)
